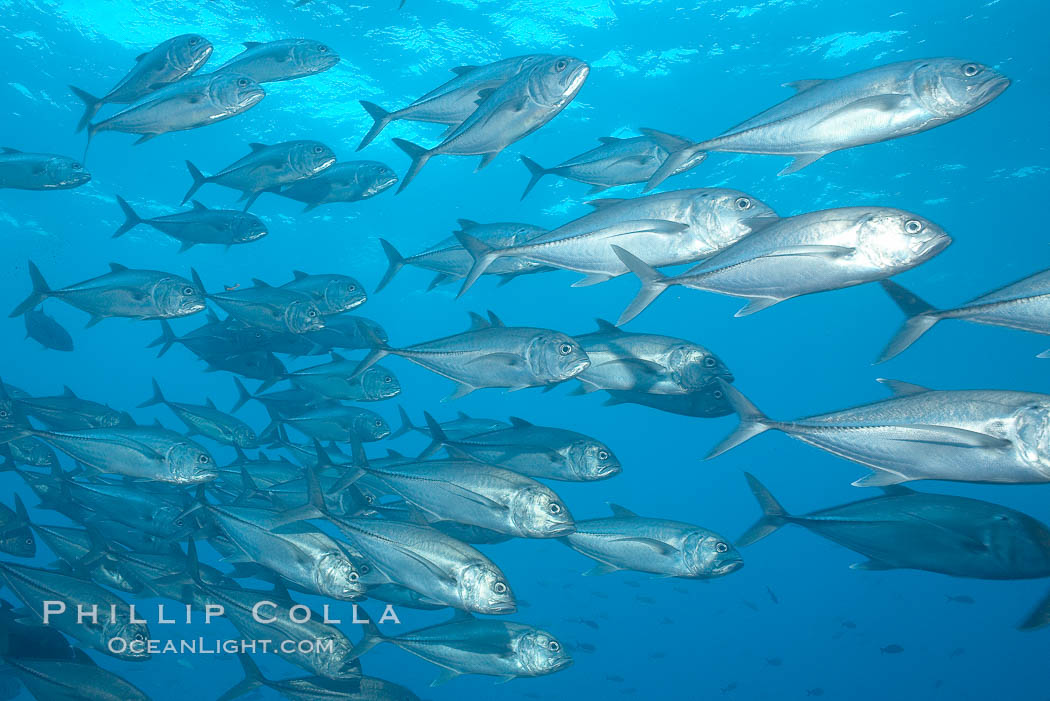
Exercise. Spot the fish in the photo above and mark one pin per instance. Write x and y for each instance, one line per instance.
(707, 402)
(815, 252)
(40, 171)
(317, 688)
(960, 599)
(67, 412)
(80, 678)
(200, 225)
(627, 541)
(539, 452)
(772, 595)
(288, 402)
(1019, 305)
(28, 451)
(258, 365)
(267, 168)
(647, 363)
(168, 62)
(340, 423)
(510, 112)
(452, 262)
(332, 292)
(335, 380)
(35, 586)
(468, 645)
(43, 329)
(891, 649)
(122, 292)
(284, 59)
(491, 354)
(347, 181)
(81, 552)
(187, 104)
(616, 162)
(905, 529)
(817, 691)
(867, 107)
(455, 100)
(346, 332)
(994, 436)
(272, 308)
(463, 426)
(16, 537)
(206, 420)
(669, 228)
(774, 661)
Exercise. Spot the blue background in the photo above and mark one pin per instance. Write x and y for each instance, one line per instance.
(693, 68)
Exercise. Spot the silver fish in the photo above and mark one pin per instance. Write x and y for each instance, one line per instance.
(46, 331)
(333, 293)
(206, 420)
(200, 225)
(68, 411)
(40, 171)
(826, 250)
(336, 380)
(349, 181)
(318, 688)
(56, 679)
(285, 59)
(272, 308)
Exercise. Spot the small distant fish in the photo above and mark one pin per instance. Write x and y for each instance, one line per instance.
(960, 599)
(657, 655)
(680, 590)
(750, 604)
(849, 624)
(645, 599)
(892, 649)
(774, 661)
(772, 595)
(665, 621)
(956, 652)
(614, 678)
(46, 331)
(589, 623)
(815, 692)
(586, 647)
(730, 687)
(631, 583)
(599, 594)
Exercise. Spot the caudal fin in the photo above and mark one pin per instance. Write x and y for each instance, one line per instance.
(92, 105)
(406, 424)
(438, 438)
(372, 637)
(40, 292)
(253, 679)
(395, 261)
(157, 398)
(166, 339)
(673, 162)
(381, 117)
(536, 171)
(921, 318)
(653, 284)
(379, 351)
(131, 220)
(483, 255)
(419, 156)
(1038, 617)
(243, 395)
(752, 421)
(773, 514)
(198, 179)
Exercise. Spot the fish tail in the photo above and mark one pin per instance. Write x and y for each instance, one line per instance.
(673, 162)
(921, 318)
(157, 398)
(131, 219)
(243, 395)
(199, 179)
(381, 118)
(197, 282)
(166, 339)
(1039, 616)
(371, 638)
(419, 156)
(379, 351)
(315, 506)
(253, 678)
(752, 421)
(406, 423)
(536, 172)
(483, 255)
(395, 261)
(773, 514)
(438, 437)
(40, 292)
(653, 284)
(92, 105)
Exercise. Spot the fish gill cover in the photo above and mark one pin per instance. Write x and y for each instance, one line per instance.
(271, 336)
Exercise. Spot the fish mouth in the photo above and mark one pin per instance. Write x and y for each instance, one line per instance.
(728, 567)
(251, 98)
(935, 246)
(326, 163)
(562, 529)
(502, 608)
(608, 471)
(561, 664)
(204, 56)
(993, 89)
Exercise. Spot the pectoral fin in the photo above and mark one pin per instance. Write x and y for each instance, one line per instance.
(658, 546)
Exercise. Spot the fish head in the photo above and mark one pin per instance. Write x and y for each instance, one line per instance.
(188, 52)
(592, 460)
(111, 418)
(708, 554)
(18, 541)
(553, 357)
(539, 513)
(189, 463)
(331, 657)
(484, 589)
(952, 87)
(136, 635)
(244, 437)
(30, 451)
(721, 217)
(379, 383)
(234, 92)
(538, 653)
(374, 177)
(371, 426)
(310, 157)
(1020, 543)
(302, 315)
(336, 576)
(116, 577)
(245, 227)
(555, 80)
(311, 57)
(712, 397)
(175, 296)
(694, 367)
(894, 240)
(342, 293)
(1032, 426)
(63, 172)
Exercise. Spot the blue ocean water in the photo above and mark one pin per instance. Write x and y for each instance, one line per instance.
(687, 68)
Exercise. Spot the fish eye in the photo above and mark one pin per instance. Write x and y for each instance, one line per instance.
(388, 379)
(194, 41)
(379, 422)
(718, 394)
(565, 349)
(913, 226)
(369, 499)
(203, 459)
(187, 290)
(709, 362)
(29, 541)
(554, 508)
(322, 48)
(743, 203)
(971, 69)
(4, 413)
(722, 547)
(499, 588)
(354, 576)
(561, 65)
(554, 646)
(311, 313)
(139, 637)
(179, 522)
(243, 82)
(365, 569)
(318, 149)
(603, 454)
(76, 166)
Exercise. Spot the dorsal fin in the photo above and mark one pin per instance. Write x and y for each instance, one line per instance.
(483, 95)
(803, 85)
(462, 70)
(141, 56)
(67, 392)
(519, 423)
(260, 283)
(466, 224)
(256, 146)
(117, 268)
(606, 202)
(621, 512)
(199, 206)
(462, 415)
(610, 139)
(495, 320)
(8, 149)
(251, 44)
(394, 454)
(299, 274)
(477, 322)
(902, 389)
(337, 358)
(608, 327)
(209, 403)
